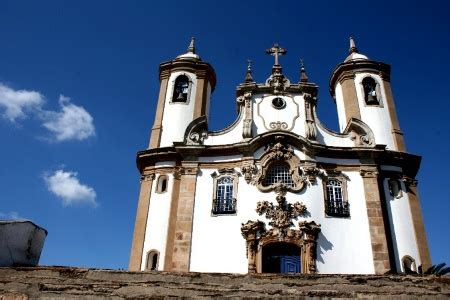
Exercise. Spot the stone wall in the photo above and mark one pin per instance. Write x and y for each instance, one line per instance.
(65, 282)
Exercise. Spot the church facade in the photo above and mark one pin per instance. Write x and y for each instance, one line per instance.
(276, 191)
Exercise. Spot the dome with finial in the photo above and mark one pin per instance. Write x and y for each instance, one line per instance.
(353, 53)
(190, 54)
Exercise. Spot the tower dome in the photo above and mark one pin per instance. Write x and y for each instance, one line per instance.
(353, 53)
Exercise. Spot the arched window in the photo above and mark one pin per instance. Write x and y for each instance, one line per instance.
(370, 91)
(395, 188)
(161, 184)
(409, 264)
(181, 89)
(335, 203)
(278, 173)
(152, 260)
(224, 203)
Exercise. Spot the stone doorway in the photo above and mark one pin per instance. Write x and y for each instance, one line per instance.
(281, 258)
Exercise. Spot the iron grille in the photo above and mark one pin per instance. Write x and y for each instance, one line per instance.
(224, 206)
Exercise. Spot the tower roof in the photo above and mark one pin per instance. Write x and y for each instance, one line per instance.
(190, 54)
(353, 53)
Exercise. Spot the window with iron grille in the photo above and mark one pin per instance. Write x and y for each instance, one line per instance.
(335, 203)
(278, 173)
(224, 203)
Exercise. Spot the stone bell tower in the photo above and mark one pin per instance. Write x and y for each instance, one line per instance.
(362, 89)
(186, 84)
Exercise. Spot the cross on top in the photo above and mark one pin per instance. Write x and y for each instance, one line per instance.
(276, 51)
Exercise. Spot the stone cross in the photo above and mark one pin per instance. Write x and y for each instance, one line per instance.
(276, 51)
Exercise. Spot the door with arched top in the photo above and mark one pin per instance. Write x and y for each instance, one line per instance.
(281, 258)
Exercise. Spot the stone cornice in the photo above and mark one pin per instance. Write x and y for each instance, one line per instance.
(347, 70)
(377, 155)
(200, 68)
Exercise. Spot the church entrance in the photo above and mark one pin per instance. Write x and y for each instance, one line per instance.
(281, 258)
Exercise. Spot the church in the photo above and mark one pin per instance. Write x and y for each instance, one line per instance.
(276, 191)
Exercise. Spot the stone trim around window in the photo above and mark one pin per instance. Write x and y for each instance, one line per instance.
(227, 208)
(332, 207)
(188, 95)
(379, 95)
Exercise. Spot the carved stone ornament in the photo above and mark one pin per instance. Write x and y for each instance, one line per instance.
(147, 176)
(185, 170)
(310, 125)
(225, 171)
(278, 125)
(312, 172)
(369, 173)
(278, 81)
(196, 132)
(248, 114)
(249, 172)
(360, 133)
(279, 153)
(281, 215)
(411, 182)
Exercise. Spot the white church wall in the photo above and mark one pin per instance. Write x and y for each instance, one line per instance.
(230, 158)
(267, 118)
(376, 117)
(181, 112)
(157, 222)
(226, 136)
(339, 97)
(343, 246)
(325, 137)
(401, 225)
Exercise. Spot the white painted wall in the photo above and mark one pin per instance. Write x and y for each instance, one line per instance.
(325, 137)
(340, 107)
(158, 222)
(376, 117)
(293, 114)
(177, 116)
(217, 245)
(401, 226)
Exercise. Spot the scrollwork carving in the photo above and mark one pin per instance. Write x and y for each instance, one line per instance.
(249, 172)
(278, 125)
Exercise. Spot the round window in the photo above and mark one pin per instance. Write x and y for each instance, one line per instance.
(278, 103)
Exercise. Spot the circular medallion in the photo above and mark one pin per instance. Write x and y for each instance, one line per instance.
(278, 103)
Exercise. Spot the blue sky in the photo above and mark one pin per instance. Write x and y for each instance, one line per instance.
(79, 83)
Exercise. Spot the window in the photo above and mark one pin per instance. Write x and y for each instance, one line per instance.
(181, 89)
(409, 265)
(224, 203)
(161, 185)
(225, 191)
(371, 96)
(278, 173)
(335, 203)
(395, 188)
(152, 260)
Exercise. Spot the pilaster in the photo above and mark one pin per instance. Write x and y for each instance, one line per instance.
(181, 220)
(419, 228)
(377, 224)
(137, 246)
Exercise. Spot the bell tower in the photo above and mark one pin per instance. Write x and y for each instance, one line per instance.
(361, 89)
(186, 84)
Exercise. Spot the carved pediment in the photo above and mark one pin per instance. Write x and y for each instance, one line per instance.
(196, 132)
(360, 133)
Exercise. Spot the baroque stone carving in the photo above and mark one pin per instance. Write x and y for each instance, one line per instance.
(278, 125)
(310, 126)
(147, 176)
(281, 215)
(409, 181)
(311, 172)
(196, 132)
(369, 173)
(275, 153)
(360, 133)
(249, 172)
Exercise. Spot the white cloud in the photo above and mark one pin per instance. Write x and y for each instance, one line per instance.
(14, 104)
(12, 215)
(66, 186)
(73, 122)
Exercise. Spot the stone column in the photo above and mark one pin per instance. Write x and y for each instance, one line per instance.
(419, 228)
(181, 235)
(376, 222)
(137, 246)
